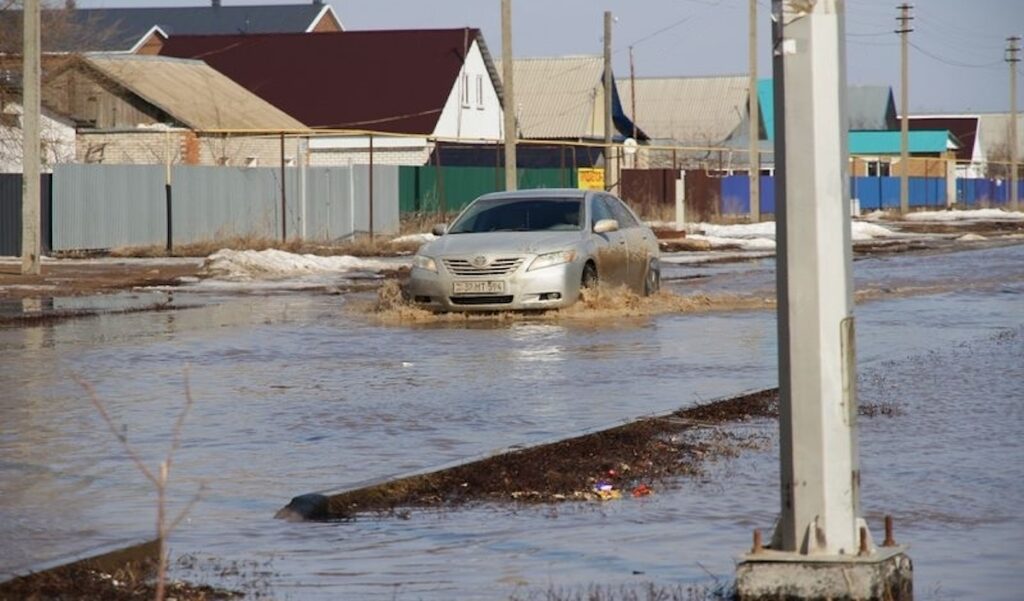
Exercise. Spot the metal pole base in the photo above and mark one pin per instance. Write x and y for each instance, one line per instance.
(885, 574)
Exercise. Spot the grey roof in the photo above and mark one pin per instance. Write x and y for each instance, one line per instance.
(191, 92)
(559, 97)
(689, 111)
(120, 29)
(870, 108)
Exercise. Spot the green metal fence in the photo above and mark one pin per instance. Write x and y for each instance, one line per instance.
(420, 190)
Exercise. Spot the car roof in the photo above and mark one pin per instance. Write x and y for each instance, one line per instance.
(538, 193)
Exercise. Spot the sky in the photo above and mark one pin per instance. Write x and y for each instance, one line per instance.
(956, 56)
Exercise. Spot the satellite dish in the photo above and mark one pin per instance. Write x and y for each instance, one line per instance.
(629, 146)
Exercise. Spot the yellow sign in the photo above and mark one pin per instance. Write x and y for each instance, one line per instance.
(590, 179)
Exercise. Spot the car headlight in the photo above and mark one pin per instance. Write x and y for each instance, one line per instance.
(555, 258)
(423, 262)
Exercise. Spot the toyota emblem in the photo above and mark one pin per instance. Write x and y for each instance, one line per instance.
(479, 261)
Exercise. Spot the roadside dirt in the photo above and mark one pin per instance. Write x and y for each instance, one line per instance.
(635, 459)
(134, 582)
(79, 279)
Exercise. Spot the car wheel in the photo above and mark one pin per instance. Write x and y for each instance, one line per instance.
(589, 279)
(652, 281)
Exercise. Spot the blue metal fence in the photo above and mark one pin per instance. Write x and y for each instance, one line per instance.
(875, 193)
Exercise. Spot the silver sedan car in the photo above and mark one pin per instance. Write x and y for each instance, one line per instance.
(534, 249)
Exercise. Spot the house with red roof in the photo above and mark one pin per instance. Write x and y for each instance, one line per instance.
(402, 89)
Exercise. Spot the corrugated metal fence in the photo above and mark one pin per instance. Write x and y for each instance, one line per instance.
(110, 206)
(10, 213)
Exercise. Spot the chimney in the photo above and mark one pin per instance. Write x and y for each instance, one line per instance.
(69, 4)
(215, 3)
(318, 2)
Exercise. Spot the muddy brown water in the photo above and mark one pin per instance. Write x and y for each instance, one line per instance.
(296, 393)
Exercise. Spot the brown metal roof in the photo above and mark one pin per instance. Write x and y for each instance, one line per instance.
(964, 128)
(393, 81)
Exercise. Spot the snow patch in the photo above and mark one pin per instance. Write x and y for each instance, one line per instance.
(968, 215)
(761, 236)
(247, 265)
(424, 237)
(971, 238)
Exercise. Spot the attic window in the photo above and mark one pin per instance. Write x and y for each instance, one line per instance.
(480, 92)
(465, 90)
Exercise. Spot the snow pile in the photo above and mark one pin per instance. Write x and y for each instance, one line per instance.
(971, 238)
(244, 265)
(764, 229)
(975, 214)
(861, 230)
(410, 238)
(761, 236)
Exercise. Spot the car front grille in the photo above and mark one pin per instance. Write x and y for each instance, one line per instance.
(481, 300)
(499, 266)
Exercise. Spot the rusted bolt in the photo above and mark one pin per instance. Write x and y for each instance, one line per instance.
(757, 543)
(889, 540)
(863, 541)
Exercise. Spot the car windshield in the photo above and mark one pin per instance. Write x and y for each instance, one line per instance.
(520, 215)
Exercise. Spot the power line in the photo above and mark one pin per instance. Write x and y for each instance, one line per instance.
(953, 63)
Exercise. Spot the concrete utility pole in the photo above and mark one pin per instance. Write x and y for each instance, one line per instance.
(754, 131)
(1012, 57)
(608, 150)
(30, 189)
(904, 29)
(507, 68)
(821, 548)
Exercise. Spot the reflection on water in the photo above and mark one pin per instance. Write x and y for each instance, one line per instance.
(294, 393)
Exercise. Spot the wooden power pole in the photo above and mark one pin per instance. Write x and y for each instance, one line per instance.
(904, 29)
(608, 151)
(30, 188)
(754, 131)
(511, 180)
(1013, 57)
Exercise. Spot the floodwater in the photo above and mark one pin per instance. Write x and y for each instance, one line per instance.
(297, 391)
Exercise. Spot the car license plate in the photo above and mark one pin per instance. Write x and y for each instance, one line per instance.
(481, 287)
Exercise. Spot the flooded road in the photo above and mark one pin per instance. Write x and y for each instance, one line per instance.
(298, 391)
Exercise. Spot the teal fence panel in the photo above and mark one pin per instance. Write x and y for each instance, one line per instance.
(422, 191)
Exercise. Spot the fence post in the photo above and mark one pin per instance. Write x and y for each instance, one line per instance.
(167, 190)
(284, 194)
(371, 187)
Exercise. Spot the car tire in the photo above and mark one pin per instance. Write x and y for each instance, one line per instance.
(589, 279)
(652, 281)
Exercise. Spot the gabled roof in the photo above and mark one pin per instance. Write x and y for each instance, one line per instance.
(394, 81)
(191, 92)
(965, 128)
(870, 108)
(867, 107)
(562, 97)
(691, 111)
(121, 29)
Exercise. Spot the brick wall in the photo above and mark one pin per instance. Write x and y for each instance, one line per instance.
(153, 147)
(391, 156)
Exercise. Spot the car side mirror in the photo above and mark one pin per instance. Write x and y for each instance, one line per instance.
(606, 225)
(439, 229)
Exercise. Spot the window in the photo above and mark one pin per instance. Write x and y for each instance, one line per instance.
(621, 213)
(465, 90)
(878, 169)
(598, 211)
(480, 92)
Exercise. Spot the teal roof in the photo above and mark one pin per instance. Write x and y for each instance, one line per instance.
(888, 142)
(868, 142)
